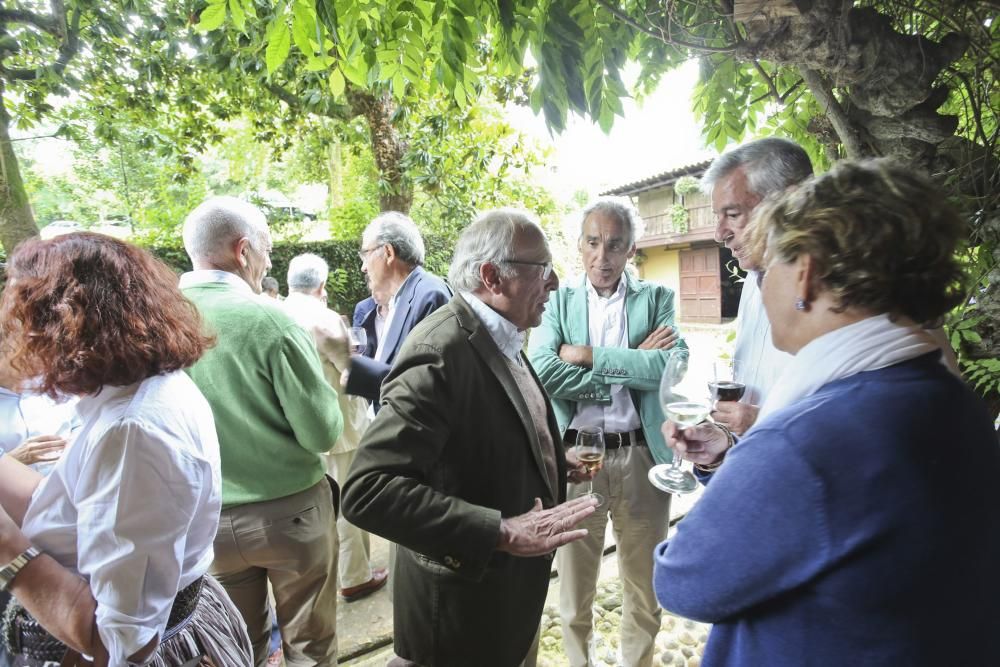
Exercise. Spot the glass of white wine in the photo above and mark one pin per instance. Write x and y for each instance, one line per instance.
(590, 450)
(357, 339)
(670, 477)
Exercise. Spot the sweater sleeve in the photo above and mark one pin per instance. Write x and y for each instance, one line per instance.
(760, 529)
(307, 399)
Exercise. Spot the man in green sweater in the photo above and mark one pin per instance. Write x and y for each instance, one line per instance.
(275, 415)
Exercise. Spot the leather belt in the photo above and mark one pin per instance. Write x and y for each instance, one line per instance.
(634, 438)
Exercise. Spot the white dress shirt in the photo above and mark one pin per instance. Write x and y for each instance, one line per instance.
(504, 333)
(761, 364)
(133, 506)
(608, 324)
(26, 415)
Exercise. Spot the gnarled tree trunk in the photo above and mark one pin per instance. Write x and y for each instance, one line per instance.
(16, 220)
(395, 191)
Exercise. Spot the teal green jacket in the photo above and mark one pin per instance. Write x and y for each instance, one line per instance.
(274, 411)
(565, 321)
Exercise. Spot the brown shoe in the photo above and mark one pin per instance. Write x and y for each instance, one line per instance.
(380, 576)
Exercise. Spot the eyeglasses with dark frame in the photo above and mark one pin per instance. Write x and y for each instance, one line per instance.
(546, 266)
(363, 254)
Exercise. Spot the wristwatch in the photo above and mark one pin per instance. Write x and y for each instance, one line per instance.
(8, 573)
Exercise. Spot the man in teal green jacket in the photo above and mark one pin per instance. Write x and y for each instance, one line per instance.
(600, 352)
(275, 415)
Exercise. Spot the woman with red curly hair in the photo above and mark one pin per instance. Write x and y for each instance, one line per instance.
(108, 554)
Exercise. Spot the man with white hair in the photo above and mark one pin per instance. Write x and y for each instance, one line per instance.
(462, 467)
(600, 352)
(306, 303)
(392, 255)
(275, 415)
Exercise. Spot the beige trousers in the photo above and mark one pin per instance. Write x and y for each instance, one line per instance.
(291, 542)
(640, 516)
(355, 551)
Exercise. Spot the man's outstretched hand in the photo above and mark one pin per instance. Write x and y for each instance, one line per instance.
(541, 531)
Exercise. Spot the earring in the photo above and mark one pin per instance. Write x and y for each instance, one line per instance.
(800, 303)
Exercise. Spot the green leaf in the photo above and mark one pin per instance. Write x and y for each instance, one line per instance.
(239, 16)
(337, 83)
(971, 336)
(279, 43)
(956, 340)
(212, 16)
(303, 29)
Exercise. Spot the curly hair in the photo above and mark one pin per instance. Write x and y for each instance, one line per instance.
(882, 238)
(83, 310)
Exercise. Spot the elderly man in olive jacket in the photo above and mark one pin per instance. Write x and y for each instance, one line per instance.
(463, 468)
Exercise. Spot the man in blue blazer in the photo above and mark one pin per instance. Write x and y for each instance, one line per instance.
(392, 253)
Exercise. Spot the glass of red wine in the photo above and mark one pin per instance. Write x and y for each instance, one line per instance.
(727, 382)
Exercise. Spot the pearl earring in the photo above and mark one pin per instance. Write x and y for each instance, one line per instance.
(800, 303)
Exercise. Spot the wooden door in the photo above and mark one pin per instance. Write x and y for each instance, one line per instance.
(700, 297)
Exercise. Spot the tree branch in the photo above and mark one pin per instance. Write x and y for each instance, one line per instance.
(838, 117)
(659, 34)
(50, 24)
(768, 80)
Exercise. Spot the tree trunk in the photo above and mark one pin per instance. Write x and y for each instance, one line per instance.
(395, 190)
(335, 174)
(16, 220)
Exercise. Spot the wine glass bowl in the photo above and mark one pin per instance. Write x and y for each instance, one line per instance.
(727, 381)
(357, 339)
(669, 477)
(590, 450)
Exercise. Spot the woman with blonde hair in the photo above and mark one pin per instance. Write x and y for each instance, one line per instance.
(856, 522)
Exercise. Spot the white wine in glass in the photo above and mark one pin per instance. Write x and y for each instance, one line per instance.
(357, 339)
(590, 450)
(670, 477)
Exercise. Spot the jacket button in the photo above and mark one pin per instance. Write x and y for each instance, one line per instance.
(453, 563)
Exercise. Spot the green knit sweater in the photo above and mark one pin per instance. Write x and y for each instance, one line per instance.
(274, 411)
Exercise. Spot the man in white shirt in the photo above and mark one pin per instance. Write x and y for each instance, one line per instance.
(306, 303)
(600, 352)
(738, 181)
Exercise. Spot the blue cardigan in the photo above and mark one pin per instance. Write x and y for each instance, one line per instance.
(858, 526)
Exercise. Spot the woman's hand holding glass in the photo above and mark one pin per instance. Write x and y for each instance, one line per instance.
(703, 444)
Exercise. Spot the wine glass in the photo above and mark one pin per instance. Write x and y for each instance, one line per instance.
(668, 476)
(357, 339)
(727, 380)
(590, 452)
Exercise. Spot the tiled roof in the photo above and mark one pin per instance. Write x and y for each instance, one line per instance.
(659, 180)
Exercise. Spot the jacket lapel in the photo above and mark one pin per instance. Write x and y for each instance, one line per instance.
(577, 316)
(403, 304)
(487, 348)
(637, 312)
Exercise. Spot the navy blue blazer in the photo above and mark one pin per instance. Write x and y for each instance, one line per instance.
(422, 294)
(364, 317)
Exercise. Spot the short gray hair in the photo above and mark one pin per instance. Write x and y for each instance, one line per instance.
(487, 241)
(306, 272)
(268, 283)
(622, 210)
(218, 222)
(399, 231)
(772, 165)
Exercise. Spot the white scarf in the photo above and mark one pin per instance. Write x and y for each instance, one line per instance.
(868, 345)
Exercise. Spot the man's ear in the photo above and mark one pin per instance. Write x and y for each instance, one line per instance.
(242, 250)
(490, 277)
(390, 253)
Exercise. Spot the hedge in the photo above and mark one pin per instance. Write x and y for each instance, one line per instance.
(346, 284)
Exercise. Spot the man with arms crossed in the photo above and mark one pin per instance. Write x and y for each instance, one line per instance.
(600, 352)
(275, 415)
(461, 467)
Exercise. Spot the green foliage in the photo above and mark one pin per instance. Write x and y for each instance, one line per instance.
(685, 185)
(679, 218)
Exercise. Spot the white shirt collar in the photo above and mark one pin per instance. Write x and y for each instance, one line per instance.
(208, 276)
(504, 332)
(619, 292)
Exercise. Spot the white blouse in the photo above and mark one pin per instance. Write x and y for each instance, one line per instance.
(134, 505)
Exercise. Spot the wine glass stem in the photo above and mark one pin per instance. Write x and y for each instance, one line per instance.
(590, 487)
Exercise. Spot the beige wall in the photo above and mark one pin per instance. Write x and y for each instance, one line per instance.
(663, 266)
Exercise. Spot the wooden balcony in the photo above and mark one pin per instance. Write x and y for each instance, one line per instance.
(660, 228)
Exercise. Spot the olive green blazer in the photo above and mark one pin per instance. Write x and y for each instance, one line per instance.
(453, 450)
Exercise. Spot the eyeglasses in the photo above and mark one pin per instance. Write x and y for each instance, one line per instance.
(363, 254)
(546, 266)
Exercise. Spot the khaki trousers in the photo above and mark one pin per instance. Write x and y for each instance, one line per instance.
(640, 516)
(291, 542)
(355, 551)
